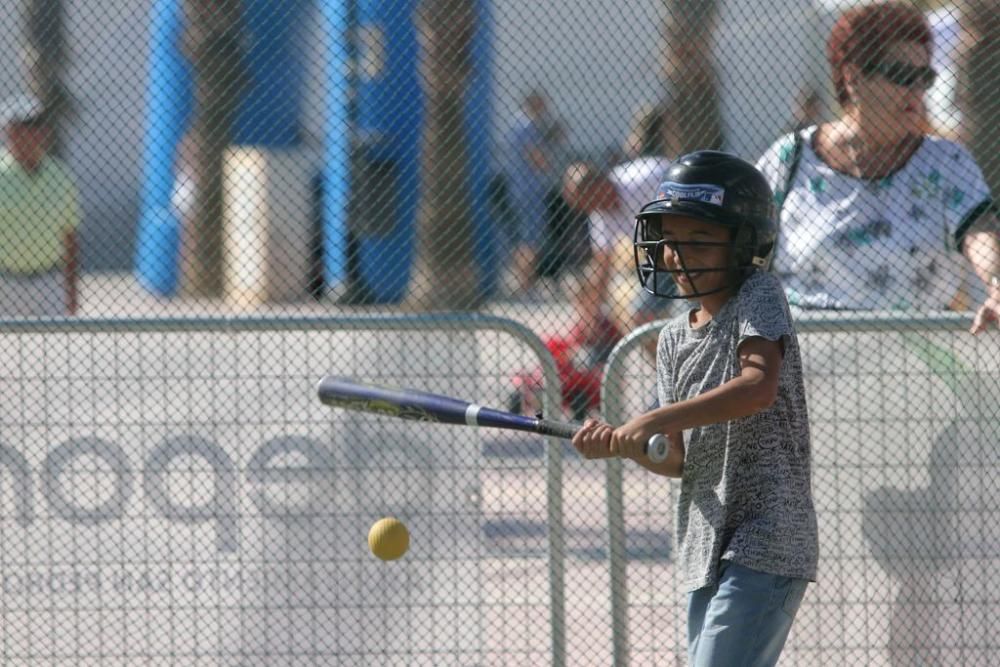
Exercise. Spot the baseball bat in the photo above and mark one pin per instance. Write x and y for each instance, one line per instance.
(414, 405)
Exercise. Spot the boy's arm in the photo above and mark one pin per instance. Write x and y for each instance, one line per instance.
(593, 438)
(753, 390)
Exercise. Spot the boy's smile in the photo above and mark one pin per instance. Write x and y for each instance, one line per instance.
(698, 254)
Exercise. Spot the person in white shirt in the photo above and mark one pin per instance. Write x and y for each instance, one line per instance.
(875, 214)
(611, 201)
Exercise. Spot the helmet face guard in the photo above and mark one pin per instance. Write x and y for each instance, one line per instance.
(649, 244)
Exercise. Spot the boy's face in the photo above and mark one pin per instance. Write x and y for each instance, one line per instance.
(698, 254)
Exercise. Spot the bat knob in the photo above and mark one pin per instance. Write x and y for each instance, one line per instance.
(657, 448)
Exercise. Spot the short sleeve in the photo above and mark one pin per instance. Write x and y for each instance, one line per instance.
(763, 309)
(967, 195)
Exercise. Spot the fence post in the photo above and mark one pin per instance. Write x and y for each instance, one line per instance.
(612, 411)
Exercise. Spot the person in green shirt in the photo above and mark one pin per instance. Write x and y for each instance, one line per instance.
(39, 215)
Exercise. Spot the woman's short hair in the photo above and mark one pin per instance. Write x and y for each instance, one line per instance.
(861, 36)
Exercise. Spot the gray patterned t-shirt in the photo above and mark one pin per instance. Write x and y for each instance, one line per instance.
(746, 490)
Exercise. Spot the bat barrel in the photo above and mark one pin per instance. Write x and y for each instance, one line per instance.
(400, 403)
(420, 406)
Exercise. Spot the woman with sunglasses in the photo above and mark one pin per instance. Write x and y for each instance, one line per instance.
(874, 213)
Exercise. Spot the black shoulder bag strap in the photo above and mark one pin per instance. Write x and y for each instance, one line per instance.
(791, 168)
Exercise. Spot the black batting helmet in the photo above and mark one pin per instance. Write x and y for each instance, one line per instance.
(718, 188)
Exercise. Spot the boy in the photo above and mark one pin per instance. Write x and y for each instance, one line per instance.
(729, 376)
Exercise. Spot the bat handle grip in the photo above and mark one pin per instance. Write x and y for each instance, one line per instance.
(558, 429)
(657, 448)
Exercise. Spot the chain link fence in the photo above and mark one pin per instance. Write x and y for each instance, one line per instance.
(205, 205)
(174, 493)
(903, 434)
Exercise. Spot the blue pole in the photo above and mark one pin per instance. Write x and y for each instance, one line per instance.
(268, 115)
(338, 127)
(168, 105)
(478, 117)
(389, 105)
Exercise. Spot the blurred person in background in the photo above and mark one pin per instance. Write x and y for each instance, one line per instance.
(581, 348)
(654, 132)
(39, 216)
(530, 168)
(566, 248)
(610, 201)
(606, 303)
(874, 213)
(878, 214)
(589, 191)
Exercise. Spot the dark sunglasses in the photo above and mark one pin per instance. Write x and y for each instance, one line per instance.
(904, 74)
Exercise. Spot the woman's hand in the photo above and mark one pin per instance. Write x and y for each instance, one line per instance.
(981, 246)
(593, 440)
(988, 312)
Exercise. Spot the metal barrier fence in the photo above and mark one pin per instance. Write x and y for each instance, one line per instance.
(904, 427)
(174, 493)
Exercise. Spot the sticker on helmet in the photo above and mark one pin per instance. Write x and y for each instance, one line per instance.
(705, 193)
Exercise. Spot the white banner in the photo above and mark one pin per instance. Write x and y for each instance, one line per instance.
(184, 498)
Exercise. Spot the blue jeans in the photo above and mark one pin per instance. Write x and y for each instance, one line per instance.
(743, 620)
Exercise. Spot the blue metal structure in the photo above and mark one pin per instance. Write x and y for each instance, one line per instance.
(268, 115)
(374, 107)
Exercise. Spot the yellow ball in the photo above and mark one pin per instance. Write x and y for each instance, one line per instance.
(388, 538)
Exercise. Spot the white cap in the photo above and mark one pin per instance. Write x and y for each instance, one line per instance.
(20, 109)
